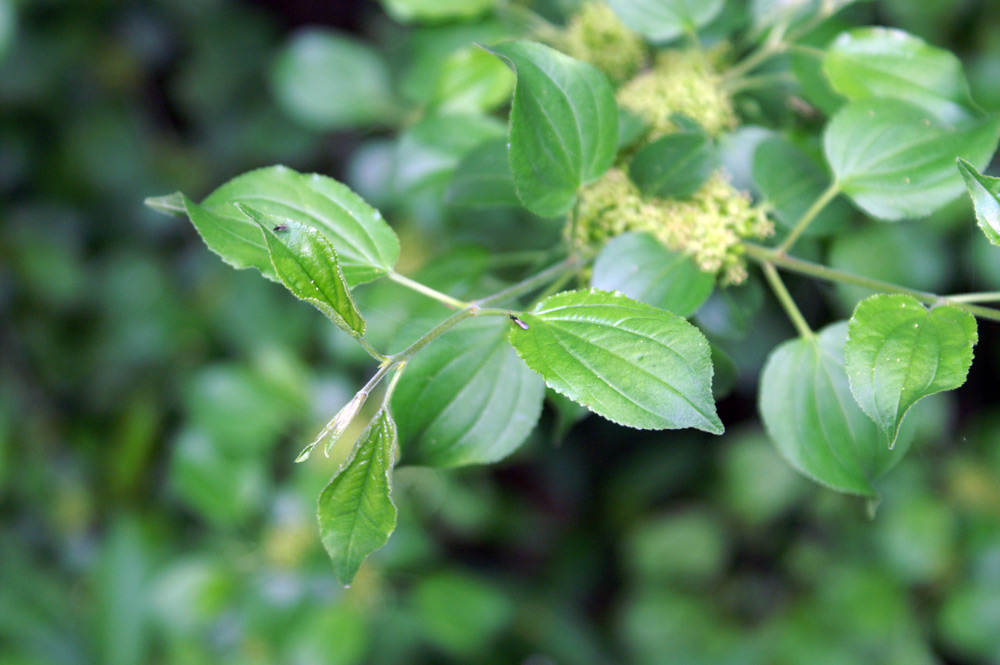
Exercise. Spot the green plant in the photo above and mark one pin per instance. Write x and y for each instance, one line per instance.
(641, 144)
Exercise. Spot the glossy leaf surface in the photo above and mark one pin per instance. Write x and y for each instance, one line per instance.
(882, 62)
(563, 125)
(356, 513)
(899, 352)
(366, 247)
(985, 193)
(467, 398)
(306, 263)
(632, 363)
(640, 267)
(812, 418)
(896, 160)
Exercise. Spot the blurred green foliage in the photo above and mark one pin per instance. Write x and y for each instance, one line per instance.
(152, 399)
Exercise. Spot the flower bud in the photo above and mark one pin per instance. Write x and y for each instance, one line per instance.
(336, 427)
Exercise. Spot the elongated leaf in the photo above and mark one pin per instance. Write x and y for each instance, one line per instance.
(466, 398)
(985, 193)
(632, 363)
(356, 513)
(640, 267)
(327, 80)
(407, 11)
(899, 352)
(883, 62)
(665, 20)
(366, 247)
(674, 166)
(812, 418)
(896, 160)
(483, 179)
(791, 181)
(306, 263)
(563, 125)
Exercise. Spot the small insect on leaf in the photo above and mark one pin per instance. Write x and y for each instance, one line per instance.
(519, 322)
(280, 227)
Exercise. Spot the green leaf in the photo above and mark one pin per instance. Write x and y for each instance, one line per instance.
(366, 247)
(896, 160)
(356, 513)
(640, 267)
(429, 151)
(631, 129)
(306, 263)
(629, 362)
(665, 20)
(466, 398)
(408, 11)
(812, 418)
(483, 179)
(563, 125)
(985, 193)
(326, 80)
(768, 12)
(8, 26)
(791, 181)
(473, 81)
(674, 166)
(460, 614)
(899, 352)
(883, 62)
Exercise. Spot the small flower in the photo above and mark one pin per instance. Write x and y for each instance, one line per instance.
(686, 82)
(596, 35)
(710, 226)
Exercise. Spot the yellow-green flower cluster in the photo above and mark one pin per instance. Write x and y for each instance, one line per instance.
(709, 226)
(596, 35)
(686, 82)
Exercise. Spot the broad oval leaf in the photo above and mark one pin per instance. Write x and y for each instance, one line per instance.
(883, 62)
(563, 125)
(326, 80)
(665, 20)
(896, 160)
(466, 398)
(813, 420)
(791, 181)
(366, 246)
(483, 179)
(637, 265)
(674, 166)
(307, 264)
(629, 362)
(985, 193)
(899, 352)
(356, 513)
